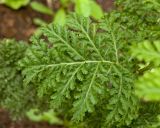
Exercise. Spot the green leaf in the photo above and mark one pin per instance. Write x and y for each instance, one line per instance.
(32, 116)
(39, 22)
(153, 4)
(39, 7)
(148, 86)
(13, 96)
(147, 51)
(74, 64)
(64, 2)
(15, 4)
(60, 17)
(49, 116)
(96, 10)
(83, 7)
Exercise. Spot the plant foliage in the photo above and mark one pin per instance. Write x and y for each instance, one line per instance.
(15, 4)
(13, 95)
(49, 116)
(85, 8)
(77, 65)
(84, 71)
(10, 77)
(148, 86)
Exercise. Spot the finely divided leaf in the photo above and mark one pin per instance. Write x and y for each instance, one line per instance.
(75, 63)
(147, 51)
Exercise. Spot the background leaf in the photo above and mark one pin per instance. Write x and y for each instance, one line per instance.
(39, 7)
(15, 4)
(96, 10)
(148, 86)
(83, 7)
(147, 51)
(60, 17)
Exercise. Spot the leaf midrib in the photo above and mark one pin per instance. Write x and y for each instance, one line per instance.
(73, 63)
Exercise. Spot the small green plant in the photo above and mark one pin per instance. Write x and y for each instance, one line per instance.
(84, 72)
(81, 68)
(13, 95)
(10, 77)
(37, 6)
(49, 116)
(88, 8)
(15, 4)
(82, 7)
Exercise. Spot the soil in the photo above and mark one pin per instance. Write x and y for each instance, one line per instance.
(6, 122)
(19, 24)
(107, 5)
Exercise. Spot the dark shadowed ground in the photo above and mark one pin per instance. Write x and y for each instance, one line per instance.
(19, 24)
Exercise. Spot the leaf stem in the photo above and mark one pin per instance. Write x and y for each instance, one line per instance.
(115, 47)
(94, 75)
(74, 63)
(65, 42)
(83, 30)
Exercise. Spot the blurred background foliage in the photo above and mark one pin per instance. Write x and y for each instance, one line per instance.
(84, 7)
